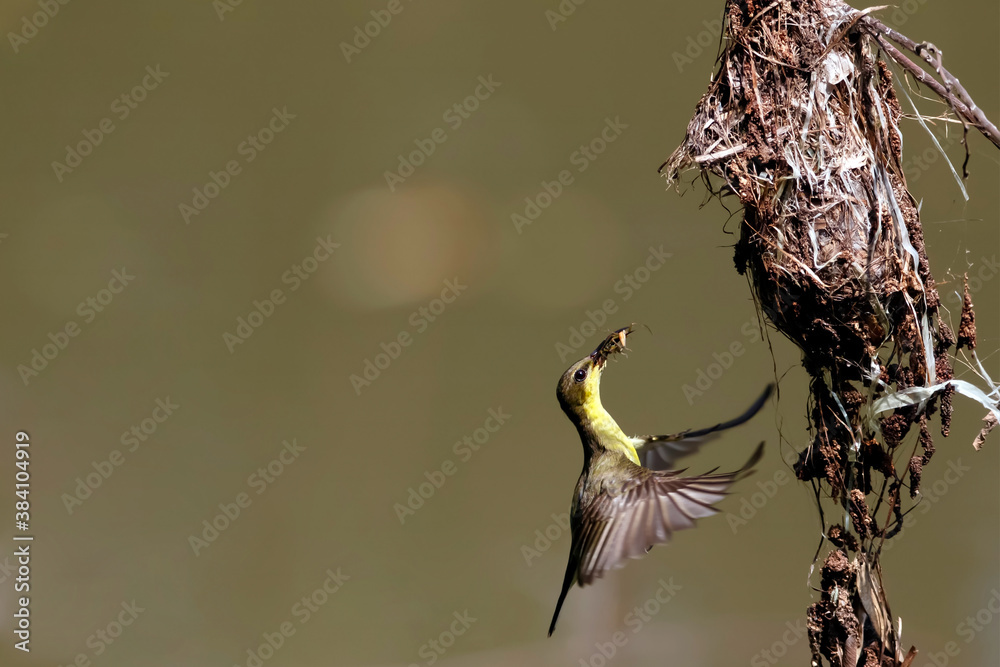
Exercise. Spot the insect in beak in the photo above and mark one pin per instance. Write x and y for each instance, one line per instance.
(613, 344)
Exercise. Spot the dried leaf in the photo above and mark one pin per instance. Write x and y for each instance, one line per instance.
(991, 422)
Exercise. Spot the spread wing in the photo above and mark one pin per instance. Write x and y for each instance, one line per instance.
(660, 452)
(647, 510)
(625, 521)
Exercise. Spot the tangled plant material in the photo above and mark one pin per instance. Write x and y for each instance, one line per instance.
(801, 123)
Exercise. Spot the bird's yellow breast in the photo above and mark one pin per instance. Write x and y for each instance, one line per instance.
(609, 435)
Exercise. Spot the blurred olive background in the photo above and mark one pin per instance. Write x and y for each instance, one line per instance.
(224, 69)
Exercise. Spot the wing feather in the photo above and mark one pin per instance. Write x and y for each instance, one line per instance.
(622, 523)
(661, 452)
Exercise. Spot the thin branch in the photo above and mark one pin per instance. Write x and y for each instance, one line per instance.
(965, 107)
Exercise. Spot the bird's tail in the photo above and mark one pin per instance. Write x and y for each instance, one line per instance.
(568, 581)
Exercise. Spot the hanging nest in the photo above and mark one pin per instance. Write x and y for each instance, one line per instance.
(801, 123)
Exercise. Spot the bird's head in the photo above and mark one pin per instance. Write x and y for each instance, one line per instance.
(579, 389)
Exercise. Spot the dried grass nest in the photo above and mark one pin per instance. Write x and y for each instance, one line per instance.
(801, 123)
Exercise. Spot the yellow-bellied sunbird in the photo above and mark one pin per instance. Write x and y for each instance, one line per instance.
(628, 497)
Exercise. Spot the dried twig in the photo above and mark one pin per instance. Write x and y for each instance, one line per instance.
(963, 105)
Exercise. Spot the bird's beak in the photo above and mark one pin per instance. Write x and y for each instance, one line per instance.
(613, 344)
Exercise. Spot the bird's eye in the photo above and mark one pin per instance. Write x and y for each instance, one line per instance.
(580, 375)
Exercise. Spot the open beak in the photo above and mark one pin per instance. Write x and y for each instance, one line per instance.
(613, 344)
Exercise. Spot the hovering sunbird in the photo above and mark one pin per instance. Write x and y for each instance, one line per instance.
(628, 497)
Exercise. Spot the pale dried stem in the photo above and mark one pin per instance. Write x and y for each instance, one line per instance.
(963, 105)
